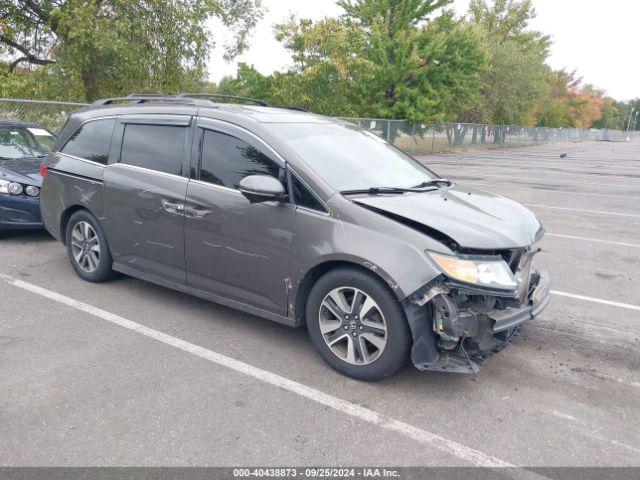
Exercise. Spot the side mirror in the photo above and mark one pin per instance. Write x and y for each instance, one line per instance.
(261, 188)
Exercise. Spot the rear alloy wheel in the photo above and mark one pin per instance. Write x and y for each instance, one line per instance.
(357, 324)
(87, 247)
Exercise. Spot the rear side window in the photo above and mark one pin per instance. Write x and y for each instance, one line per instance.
(91, 140)
(303, 196)
(226, 160)
(156, 147)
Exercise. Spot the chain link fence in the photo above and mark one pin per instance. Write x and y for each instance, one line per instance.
(423, 138)
(413, 137)
(51, 115)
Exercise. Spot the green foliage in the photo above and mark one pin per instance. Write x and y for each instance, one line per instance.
(570, 104)
(381, 59)
(401, 59)
(516, 81)
(620, 115)
(514, 85)
(113, 47)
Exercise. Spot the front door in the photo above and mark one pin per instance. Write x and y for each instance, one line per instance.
(233, 248)
(144, 194)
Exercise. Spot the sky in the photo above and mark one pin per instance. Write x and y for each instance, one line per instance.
(597, 42)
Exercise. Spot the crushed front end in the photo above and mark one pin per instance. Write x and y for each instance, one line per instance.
(457, 322)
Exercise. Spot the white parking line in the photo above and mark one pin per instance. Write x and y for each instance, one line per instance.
(539, 189)
(541, 179)
(600, 212)
(596, 240)
(497, 168)
(432, 440)
(596, 300)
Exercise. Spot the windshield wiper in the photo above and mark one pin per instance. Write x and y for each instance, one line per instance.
(378, 190)
(374, 190)
(435, 182)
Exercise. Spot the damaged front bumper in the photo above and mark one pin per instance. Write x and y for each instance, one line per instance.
(456, 327)
(510, 317)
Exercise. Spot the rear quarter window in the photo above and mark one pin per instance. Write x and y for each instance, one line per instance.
(91, 141)
(155, 147)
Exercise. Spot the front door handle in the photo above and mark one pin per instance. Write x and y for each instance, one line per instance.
(173, 207)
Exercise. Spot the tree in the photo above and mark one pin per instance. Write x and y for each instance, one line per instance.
(619, 115)
(517, 79)
(505, 20)
(118, 46)
(329, 74)
(383, 59)
(571, 104)
(425, 68)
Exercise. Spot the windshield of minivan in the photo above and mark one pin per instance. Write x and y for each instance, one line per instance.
(350, 158)
(23, 142)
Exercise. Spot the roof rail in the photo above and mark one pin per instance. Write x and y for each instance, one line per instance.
(144, 97)
(220, 95)
(291, 107)
(190, 98)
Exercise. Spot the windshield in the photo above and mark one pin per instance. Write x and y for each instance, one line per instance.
(350, 158)
(21, 142)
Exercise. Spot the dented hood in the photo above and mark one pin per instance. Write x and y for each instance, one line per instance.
(472, 218)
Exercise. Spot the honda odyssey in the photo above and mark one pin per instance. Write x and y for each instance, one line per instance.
(300, 219)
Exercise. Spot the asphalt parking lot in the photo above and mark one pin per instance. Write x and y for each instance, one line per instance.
(128, 373)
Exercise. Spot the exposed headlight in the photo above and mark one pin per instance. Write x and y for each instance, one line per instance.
(32, 191)
(15, 188)
(487, 273)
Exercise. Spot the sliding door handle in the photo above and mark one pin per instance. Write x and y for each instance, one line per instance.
(196, 212)
(173, 207)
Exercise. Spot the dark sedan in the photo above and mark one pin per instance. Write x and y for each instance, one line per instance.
(22, 147)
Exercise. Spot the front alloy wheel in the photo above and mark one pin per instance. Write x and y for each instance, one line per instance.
(353, 326)
(357, 324)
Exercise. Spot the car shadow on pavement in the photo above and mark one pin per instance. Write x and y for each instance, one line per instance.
(25, 236)
(266, 344)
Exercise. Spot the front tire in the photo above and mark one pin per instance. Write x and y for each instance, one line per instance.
(87, 248)
(357, 325)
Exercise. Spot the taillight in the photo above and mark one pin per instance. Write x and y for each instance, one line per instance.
(43, 170)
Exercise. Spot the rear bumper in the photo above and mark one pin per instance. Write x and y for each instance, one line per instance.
(20, 213)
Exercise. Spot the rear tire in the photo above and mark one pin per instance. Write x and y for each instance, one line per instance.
(87, 248)
(357, 324)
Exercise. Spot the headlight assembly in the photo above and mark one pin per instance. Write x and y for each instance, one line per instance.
(32, 191)
(13, 188)
(486, 273)
(4, 186)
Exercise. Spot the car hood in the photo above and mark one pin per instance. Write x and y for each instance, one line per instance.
(472, 218)
(25, 170)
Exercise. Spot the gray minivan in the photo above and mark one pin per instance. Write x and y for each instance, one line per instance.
(297, 218)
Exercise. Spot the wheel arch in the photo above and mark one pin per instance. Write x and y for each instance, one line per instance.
(66, 215)
(305, 284)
